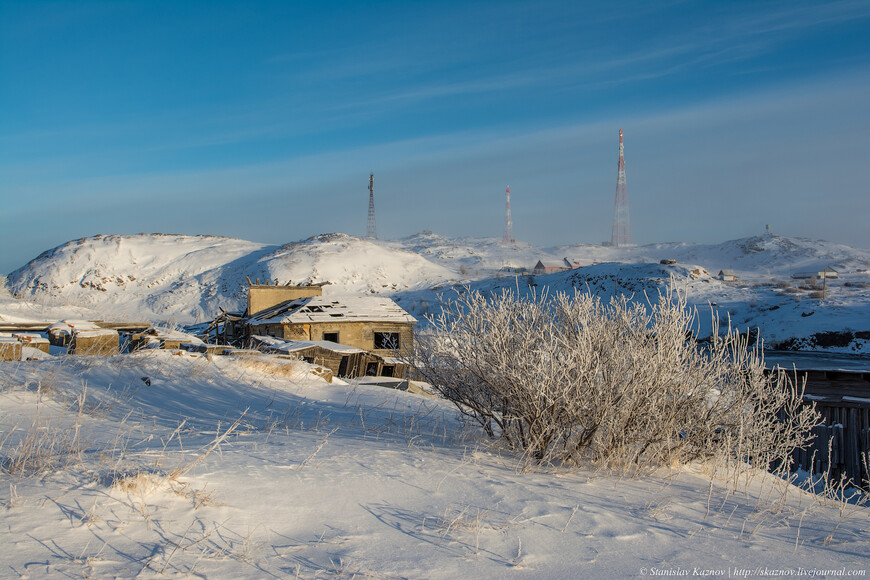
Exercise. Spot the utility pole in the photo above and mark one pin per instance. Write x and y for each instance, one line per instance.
(508, 223)
(371, 228)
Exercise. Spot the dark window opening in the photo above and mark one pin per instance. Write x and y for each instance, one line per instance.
(388, 371)
(308, 359)
(342, 367)
(387, 340)
(372, 369)
(330, 336)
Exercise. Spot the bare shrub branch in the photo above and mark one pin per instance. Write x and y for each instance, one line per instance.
(568, 378)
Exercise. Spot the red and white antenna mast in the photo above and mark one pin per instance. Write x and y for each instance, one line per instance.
(621, 233)
(508, 224)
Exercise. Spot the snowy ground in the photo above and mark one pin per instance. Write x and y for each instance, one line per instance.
(322, 480)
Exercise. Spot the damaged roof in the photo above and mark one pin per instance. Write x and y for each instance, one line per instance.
(297, 345)
(333, 309)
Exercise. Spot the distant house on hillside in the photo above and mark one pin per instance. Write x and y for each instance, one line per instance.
(828, 273)
(727, 276)
(371, 323)
(549, 268)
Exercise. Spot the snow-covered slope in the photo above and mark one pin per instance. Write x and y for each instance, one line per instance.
(778, 311)
(188, 278)
(753, 256)
(472, 256)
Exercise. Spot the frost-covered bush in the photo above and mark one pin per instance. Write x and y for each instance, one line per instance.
(623, 384)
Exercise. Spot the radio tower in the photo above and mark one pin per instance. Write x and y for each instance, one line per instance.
(508, 224)
(371, 229)
(621, 234)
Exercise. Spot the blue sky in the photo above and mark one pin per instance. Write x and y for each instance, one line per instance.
(262, 120)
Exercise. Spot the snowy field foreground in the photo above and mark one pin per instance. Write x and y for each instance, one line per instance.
(173, 465)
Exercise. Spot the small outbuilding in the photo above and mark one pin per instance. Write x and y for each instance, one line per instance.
(727, 276)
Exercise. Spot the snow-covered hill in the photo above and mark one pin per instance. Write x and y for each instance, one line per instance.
(752, 257)
(779, 311)
(189, 278)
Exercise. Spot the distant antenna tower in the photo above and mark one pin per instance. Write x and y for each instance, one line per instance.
(621, 234)
(508, 224)
(371, 229)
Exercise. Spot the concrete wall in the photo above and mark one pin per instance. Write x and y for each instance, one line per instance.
(10, 349)
(104, 344)
(261, 297)
(33, 341)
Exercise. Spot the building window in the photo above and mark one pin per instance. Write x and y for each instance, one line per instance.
(388, 371)
(372, 369)
(330, 336)
(387, 340)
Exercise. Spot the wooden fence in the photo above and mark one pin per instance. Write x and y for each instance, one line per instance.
(841, 446)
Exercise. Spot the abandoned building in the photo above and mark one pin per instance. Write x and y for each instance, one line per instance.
(263, 296)
(371, 323)
(229, 327)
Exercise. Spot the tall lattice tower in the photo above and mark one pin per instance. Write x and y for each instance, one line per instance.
(621, 234)
(508, 224)
(371, 228)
